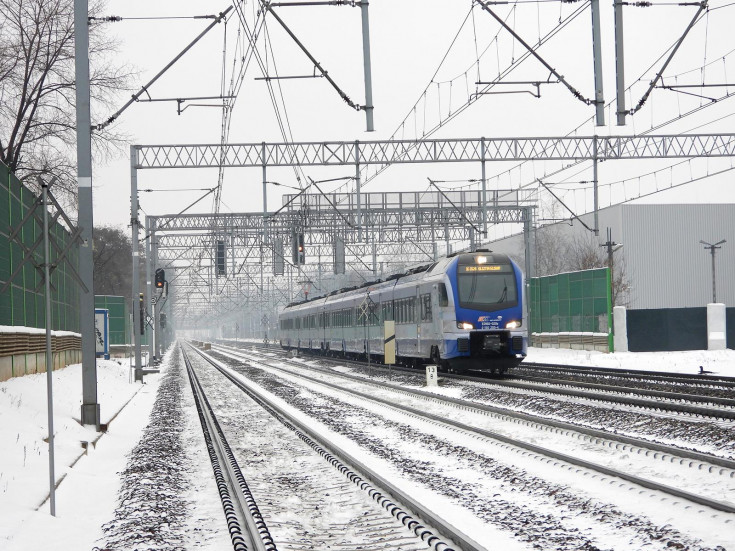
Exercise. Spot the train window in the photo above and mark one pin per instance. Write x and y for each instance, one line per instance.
(387, 311)
(374, 314)
(443, 298)
(426, 307)
(488, 291)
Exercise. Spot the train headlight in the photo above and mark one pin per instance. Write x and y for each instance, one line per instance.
(464, 325)
(515, 324)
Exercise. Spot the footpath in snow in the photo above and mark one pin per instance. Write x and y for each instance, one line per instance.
(88, 481)
(87, 492)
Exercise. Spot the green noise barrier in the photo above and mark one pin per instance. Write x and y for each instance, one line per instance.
(573, 303)
(22, 303)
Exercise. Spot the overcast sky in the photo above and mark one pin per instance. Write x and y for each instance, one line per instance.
(413, 89)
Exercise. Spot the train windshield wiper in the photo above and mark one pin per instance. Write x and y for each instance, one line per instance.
(504, 295)
(472, 289)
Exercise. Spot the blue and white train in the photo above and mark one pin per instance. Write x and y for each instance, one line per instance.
(462, 312)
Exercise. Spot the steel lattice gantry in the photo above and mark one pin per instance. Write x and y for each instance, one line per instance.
(434, 151)
(363, 226)
(401, 229)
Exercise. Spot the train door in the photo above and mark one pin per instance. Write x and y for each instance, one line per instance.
(417, 318)
(436, 318)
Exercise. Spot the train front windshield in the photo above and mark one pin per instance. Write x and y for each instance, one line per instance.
(487, 287)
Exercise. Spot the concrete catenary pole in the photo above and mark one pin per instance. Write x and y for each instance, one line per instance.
(620, 63)
(90, 408)
(367, 66)
(134, 225)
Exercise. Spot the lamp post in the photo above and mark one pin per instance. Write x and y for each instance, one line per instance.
(712, 249)
(611, 247)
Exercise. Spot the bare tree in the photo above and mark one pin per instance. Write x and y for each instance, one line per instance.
(113, 264)
(553, 250)
(559, 251)
(37, 91)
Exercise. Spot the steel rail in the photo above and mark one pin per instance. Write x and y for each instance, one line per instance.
(703, 379)
(663, 394)
(637, 402)
(694, 498)
(238, 503)
(664, 449)
(347, 463)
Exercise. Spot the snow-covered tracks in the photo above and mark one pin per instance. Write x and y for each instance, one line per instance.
(502, 484)
(245, 523)
(705, 397)
(387, 527)
(722, 467)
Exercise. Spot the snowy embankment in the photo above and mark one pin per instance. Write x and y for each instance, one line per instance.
(87, 481)
(88, 492)
(720, 362)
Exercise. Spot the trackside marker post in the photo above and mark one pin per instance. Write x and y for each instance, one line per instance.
(389, 342)
(431, 379)
(389, 345)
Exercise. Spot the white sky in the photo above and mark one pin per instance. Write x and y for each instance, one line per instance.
(409, 39)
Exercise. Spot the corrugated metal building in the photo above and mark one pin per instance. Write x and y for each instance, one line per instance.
(667, 268)
(665, 263)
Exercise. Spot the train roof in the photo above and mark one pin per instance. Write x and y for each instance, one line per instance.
(462, 258)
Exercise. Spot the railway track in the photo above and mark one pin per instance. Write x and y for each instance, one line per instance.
(247, 528)
(389, 527)
(692, 459)
(702, 379)
(701, 405)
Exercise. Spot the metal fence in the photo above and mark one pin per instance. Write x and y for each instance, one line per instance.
(22, 302)
(574, 302)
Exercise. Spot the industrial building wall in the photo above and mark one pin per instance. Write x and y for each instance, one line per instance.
(668, 270)
(667, 265)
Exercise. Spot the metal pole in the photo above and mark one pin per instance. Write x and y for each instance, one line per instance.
(90, 414)
(714, 286)
(484, 187)
(527, 234)
(357, 190)
(49, 355)
(610, 245)
(157, 332)
(595, 183)
(134, 223)
(265, 192)
(149, 290)
(620, 62)
(366, 66)
(597, 55)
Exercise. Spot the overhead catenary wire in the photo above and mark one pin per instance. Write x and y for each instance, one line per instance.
(471, 99)
(651, 129)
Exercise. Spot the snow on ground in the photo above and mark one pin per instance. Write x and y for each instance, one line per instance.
(718, 362)
(87, 493)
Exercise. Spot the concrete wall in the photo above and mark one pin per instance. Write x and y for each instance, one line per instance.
(18, 365)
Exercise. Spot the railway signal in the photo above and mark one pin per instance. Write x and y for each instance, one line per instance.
(299, 251)
(160, 278)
